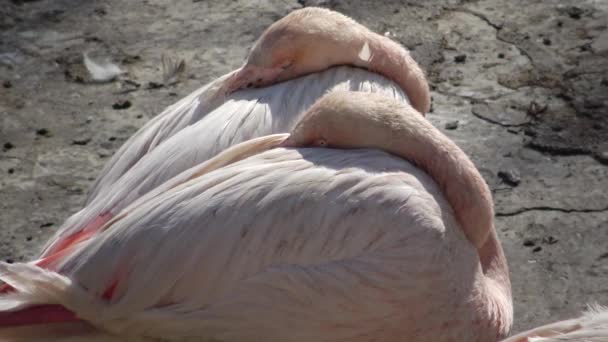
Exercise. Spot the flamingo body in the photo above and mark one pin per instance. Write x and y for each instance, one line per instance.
(334, 245)
(186, 135)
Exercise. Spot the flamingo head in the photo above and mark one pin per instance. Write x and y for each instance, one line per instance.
(305, 41)
(346, 119)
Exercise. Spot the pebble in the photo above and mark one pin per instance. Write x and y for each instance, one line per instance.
(81, 140)
(451, 125)
(460, 58)
(510, 177)
(121, 104)
(550, 240)
(43, 132)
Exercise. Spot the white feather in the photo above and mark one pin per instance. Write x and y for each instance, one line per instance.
(101, 71)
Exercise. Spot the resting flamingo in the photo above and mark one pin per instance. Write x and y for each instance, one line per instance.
(309, 40)
(305, 41)
(329, 233)
(298, 242)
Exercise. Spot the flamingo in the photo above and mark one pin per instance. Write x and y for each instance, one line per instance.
(190, 132)
(362, 224)
(327, 233)
(308, 40)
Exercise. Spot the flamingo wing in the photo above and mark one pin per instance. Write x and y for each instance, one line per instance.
(331, 244)
(201, 135)
(186, 111)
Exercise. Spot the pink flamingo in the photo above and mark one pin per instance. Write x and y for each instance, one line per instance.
(329, 233)
(305, 42)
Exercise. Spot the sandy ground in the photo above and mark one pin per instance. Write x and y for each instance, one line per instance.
(520, 85)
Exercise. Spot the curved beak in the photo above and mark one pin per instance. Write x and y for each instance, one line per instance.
(239, 79)
(251, 76)
(288, 142)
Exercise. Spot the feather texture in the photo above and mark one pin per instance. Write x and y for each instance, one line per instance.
(592, 326)
(284, 236)
(187, 134)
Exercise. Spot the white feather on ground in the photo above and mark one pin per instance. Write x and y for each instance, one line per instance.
(101, 71)
(172, 69)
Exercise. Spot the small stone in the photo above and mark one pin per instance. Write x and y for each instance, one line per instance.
(602, 157)
(7, 84)
(593, 104)
(121, 104)
(547, 41)
(451, 125)
(460, 58)
(604, 82)
(529, 243)
(501, 55)
(549, 240)
(46, 224)
(81, 141)
(43, 132)
(154, 85)
(100, 11)
(9, 261)
(112, 139)
(535, 109)
(537, 249)
(8, 145)
(509, 177)
(530, 132)
(29, 238)
(11, 171)
(574, 12)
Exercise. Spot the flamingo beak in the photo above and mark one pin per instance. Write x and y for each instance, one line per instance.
(251, 76)
(288, 142)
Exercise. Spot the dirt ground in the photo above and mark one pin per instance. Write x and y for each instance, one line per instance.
(521, 86)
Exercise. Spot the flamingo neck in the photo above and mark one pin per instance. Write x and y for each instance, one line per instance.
(470, 197)
(498, 285)
(391, 60)
(459, 180)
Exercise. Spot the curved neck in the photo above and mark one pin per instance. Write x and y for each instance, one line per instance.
(471, 199)
(456, 175)
(498, 284)
(391, 60)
